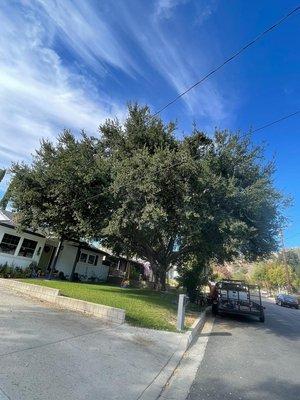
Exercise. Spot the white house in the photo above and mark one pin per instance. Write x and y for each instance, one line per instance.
(20, 249)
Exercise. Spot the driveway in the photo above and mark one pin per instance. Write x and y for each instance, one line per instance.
(248, 360)
(48, 353)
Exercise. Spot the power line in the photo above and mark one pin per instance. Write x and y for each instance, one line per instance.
(228, 60)
(275, 122)
(217, 69)
(255, 130)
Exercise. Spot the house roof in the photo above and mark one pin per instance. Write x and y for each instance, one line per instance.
(90, 247)
(7, 219)
(122, 257)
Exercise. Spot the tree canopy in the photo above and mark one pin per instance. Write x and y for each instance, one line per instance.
(146, 193)
(56, 193)
(271, 275)
(176, 200)
(292, 257)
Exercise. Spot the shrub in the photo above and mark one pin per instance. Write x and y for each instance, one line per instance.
(61, 276)
(11, 271)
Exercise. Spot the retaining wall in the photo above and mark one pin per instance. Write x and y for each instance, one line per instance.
(51, 295)
(40, 292)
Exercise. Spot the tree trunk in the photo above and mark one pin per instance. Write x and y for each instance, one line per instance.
(54, 262)
(160, 275)
(75, 263)
(162, 278)
(128, 269)
(157, 284)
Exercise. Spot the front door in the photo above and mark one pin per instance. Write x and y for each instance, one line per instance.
(46, 257)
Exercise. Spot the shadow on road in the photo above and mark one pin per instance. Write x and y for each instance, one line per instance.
(280, 322)
(215, 334)
(217, 388)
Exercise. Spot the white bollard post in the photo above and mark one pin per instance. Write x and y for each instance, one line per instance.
(181, 312)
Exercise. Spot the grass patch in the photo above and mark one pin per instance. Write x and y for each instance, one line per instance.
(144, 307)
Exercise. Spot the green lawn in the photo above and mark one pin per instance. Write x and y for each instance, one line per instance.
(143, 307)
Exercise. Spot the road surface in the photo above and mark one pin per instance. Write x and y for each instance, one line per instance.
(248, 360)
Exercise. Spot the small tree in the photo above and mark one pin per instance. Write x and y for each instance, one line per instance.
(192, 275)
(56, 193)
(271, 275)
(292, 257)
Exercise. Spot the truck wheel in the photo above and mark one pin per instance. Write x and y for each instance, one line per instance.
(214, 309)
(262, 318)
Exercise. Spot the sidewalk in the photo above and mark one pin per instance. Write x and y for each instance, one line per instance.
(47, 353)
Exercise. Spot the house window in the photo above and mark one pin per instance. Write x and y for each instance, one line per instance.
(27, 249)
(83, 257)
(9, 243)
(91, 259)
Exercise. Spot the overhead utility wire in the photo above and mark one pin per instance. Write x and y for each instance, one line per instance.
(253, 131)
(228, 59)
(218, 68)
(275, 122)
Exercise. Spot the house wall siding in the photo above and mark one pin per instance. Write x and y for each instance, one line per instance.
(67, 257)
(18, 261)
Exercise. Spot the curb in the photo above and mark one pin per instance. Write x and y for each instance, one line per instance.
(154, 390)
(179, 385)
(111, 314)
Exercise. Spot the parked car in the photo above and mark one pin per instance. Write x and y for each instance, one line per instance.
(286, 300)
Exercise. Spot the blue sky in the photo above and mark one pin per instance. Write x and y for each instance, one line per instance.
(73, 63)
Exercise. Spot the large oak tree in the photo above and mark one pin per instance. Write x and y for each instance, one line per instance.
(197, 198)
(144, 192)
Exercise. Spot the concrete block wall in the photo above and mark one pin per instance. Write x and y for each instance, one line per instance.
(40, 292)
(110, 314)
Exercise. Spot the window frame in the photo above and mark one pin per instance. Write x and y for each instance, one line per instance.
(7, 243)
(86, 257)
(31, 249)
(93, 258)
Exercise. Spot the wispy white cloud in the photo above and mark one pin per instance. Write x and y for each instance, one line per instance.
(205, 11)
(40, 96)
(86, 31)
(165, 8)
(43, 91)
(173, 58)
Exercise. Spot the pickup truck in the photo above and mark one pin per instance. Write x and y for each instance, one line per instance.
(237, 297)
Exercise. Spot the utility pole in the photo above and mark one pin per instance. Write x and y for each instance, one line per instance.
(287, 273)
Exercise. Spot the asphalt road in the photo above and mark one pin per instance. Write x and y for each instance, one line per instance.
(248, 360)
